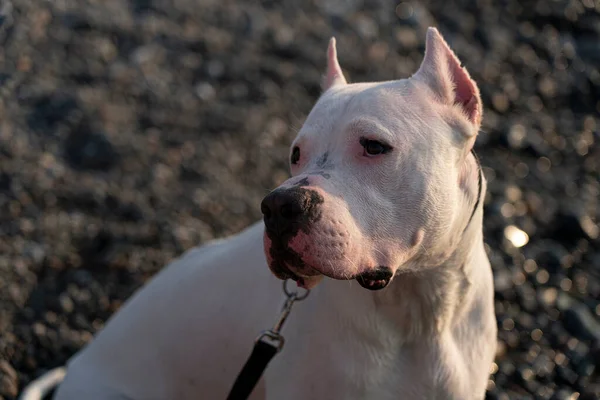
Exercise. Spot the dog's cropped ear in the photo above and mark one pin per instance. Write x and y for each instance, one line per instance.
(334, 75)
(442, 72)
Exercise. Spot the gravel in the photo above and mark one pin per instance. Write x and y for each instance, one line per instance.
(133, 130)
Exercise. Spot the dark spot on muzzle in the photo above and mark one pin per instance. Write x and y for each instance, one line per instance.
(375, 279)
(302, 182)
(322, 161)
(321, 173)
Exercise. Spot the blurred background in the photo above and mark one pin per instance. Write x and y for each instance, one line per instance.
(132, 130)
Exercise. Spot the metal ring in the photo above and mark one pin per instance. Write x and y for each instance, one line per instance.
(294, 294)
(275, 337)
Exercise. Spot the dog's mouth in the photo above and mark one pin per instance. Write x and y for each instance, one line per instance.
(286, 264)
(375, 279)
(308, 281)
(371, 280)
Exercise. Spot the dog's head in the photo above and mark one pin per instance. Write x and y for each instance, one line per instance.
(382, 175)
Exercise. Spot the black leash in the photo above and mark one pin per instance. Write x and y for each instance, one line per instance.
(267, 344)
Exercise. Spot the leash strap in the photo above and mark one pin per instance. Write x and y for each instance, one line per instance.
(263, 351)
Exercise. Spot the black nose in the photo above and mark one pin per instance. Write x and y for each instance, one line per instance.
(283, 208)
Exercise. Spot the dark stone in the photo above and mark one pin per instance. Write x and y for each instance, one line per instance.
(543, 366)
(125, 211)
(585, 368)
(51, 110)
(591, 392)
(81, 277)
(84, 148)
(5, 181)
(551, 257)
(563, 394)
(567, 228)
(566, 375)
(6, 17)
(8, 387)
(581, 323)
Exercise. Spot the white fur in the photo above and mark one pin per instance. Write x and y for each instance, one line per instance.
(431, 334)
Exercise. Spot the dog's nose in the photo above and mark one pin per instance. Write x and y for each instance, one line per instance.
(281, 208)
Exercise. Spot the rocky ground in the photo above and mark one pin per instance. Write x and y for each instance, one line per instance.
(133, 130)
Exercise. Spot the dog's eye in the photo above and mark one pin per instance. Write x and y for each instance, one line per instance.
(374, 147)
(295, 155)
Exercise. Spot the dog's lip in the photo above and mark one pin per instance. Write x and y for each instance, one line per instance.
(306, 281)
(375, 279)
(309, 282)
(284, 270)
(370, 278)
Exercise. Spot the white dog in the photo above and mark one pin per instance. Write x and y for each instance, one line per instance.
(385, 194)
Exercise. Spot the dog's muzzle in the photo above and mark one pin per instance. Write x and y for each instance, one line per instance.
(286, 211)
(289, 210)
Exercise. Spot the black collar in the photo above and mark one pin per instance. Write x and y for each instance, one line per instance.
(479, 188)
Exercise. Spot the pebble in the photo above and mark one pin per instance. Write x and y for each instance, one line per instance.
(8, 380)
(568, 228)
(6, 16)
(66, 304)
(87, 149)
(564, 394)
(580, 321)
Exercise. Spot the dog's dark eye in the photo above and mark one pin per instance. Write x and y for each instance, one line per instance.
(295, 155)
(374, 147)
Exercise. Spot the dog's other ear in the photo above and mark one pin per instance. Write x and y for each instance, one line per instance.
(442, 72)
(334, 75)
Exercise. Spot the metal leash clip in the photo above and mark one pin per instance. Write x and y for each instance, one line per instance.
(274, 335)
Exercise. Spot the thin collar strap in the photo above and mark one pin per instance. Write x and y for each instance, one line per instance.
(479, 188)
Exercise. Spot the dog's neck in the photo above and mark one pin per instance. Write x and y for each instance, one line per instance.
(422, 304)
(427, 301)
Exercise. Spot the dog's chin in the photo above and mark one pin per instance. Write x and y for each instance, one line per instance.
(309, 282)
(308, 278)
(372, 278)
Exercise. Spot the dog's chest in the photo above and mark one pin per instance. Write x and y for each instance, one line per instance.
(329, 356)
(357, 372)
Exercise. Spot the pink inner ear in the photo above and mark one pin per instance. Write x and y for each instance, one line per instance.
(466, 93)
(442, 71)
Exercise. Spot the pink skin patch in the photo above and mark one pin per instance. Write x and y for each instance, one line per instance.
(326, 250)
(305, 281)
